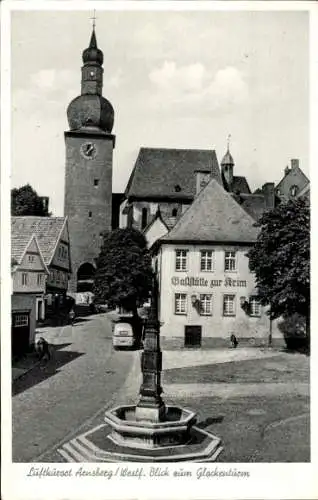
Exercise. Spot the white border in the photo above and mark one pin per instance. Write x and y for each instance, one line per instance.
(277, 481)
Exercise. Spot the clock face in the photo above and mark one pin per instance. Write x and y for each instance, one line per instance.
(88, 150)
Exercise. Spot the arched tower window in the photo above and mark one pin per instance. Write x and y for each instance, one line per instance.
(85, 277)
(144, 216)
(293, 191)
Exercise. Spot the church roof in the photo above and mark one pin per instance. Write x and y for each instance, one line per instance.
(170, 173)
(214, 216)
(240, 185)
(46, 229)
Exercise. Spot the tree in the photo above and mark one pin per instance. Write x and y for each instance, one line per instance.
(281, 260)
(25, 201)
(124, 273)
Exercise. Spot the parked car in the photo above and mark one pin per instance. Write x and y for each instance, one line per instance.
(127, 332)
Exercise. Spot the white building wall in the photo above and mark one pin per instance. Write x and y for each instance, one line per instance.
(216, 283)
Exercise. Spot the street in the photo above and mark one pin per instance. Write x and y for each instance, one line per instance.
(83, 378)
(259, 397)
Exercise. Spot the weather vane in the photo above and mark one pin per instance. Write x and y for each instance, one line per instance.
(228, 142)
(94, 19)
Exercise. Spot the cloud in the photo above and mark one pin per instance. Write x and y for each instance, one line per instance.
(50, 79)
(183, 78)
(193, 84)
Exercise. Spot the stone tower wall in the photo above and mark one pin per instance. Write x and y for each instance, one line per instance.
(88, 206)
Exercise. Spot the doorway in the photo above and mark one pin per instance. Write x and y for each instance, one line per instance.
(192, 335)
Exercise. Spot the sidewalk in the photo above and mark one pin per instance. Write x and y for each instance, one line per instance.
(24, 365)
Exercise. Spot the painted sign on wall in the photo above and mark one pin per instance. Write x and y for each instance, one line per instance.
(196, 281)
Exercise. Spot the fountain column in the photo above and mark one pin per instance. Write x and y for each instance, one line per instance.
(150, 406)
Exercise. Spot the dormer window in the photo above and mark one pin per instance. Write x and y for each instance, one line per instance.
(174, 212)
(177, 188)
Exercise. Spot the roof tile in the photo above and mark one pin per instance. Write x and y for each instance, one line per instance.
(46, 230)
(214, 216)
(170, 172)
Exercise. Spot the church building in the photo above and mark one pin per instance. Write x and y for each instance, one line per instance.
(88, 171)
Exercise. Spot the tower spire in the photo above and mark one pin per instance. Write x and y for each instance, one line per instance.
(228, 142)
(94, 20)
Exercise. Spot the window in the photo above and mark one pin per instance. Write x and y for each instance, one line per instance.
(90, 214)
(255, 306)
(40, 279)
(181, 260)
(230, 261)
(207, 260)
(205, 304)
(229, 305)
(21, 320)
(31, 258)
(96, 182)
(144, 217)
(180, 303)
(293, 190)
(24, 279)
(174, 212)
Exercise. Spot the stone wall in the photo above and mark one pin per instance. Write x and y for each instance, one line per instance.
(88, 196)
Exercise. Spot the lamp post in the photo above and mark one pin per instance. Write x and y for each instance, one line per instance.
(150, 406)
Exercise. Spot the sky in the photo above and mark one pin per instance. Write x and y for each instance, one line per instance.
(175, 79)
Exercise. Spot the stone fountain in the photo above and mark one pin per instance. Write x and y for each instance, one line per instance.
(150, 431)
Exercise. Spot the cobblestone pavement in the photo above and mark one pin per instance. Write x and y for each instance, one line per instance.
(57, 399)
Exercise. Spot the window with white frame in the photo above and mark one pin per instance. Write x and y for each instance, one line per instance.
(230, 261)
(207, 260)
(31, 258)
(21, 320)
(255, 306)
(180, 303)
(228, 305)
(24, 279)
(181, 260)
(206, 304)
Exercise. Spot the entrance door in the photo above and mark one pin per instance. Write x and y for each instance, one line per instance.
(192, 335)
(20, 333)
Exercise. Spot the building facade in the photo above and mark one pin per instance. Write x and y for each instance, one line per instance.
(53, 238)
(294, 183)
(29, 274)
(207, 291)
(88, 172)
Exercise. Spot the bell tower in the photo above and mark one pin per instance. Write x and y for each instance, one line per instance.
(88, 170)
(227, 167)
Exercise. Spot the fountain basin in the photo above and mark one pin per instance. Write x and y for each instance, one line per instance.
(128, 431)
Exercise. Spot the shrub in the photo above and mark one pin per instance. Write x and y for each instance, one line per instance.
(294, 330)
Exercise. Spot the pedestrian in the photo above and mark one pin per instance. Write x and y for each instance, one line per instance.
(72, 316)
(43, 350)
(234, 341)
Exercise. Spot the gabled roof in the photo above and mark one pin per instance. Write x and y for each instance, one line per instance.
(292, 171)
(214, 216)
(19, 246)
(240, 185)
(46, 229)
(170, 173)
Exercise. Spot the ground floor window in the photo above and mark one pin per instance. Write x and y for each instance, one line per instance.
(205, 304)
(229, 305)
(180, 303)
(21, 320)
(255, 306)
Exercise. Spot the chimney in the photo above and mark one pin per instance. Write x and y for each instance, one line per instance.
(269, 195)
(294, 163)
(202, 179)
